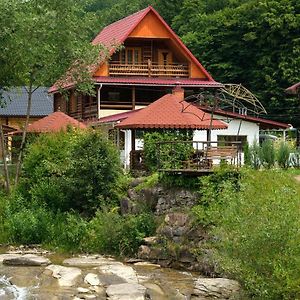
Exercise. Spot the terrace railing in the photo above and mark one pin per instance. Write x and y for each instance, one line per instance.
(150, 69)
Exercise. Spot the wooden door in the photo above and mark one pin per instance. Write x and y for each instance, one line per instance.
(164, 57)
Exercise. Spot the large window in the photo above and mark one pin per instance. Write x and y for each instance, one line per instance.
(232, 138)
(130, 55)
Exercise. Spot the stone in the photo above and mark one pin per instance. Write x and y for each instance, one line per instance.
(67, 276)
(147, 265)
(216, 288)
(133, 260)
(136, 181)
(125, 272)
(176, 219)
(126, 291)
(82, 290)
(144, 251)
(150, 240)
(27, 260)
(8, 256)
(92, 279)
(89, 261)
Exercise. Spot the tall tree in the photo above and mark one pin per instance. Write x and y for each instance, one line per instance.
(252, 42)
(41, 40)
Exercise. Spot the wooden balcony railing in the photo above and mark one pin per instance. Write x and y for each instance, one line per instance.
(149, 70)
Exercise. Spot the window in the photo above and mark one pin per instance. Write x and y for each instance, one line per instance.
(130, 55)
(232, 138)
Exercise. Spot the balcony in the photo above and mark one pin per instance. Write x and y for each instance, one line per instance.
(150, 69)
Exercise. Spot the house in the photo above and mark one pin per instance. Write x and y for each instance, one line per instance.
(294, 89)
(152, 61)
(14, 109)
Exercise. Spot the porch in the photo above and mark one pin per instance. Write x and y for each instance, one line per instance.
(190, 157)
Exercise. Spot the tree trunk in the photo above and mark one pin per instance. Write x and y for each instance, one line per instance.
(5, 168)
(20, 156)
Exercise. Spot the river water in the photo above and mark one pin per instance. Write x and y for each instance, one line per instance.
(36, 282)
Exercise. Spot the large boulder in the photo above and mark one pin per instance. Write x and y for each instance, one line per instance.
(120, 270)
(126, 291)
(66, 276)
(26, 260)
(216, 288)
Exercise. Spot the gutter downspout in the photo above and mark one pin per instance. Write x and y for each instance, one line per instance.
(99, 100)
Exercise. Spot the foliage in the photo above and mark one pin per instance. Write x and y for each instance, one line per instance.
(255, 155)
(170, 154)
(71, 170)
(215, 190)
(259, 236)
(111, 233)
(179, 181)
(283, 155)
(261, 37)
(149, 182)
(267, 154)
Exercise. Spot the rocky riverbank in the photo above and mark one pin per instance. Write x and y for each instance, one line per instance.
(32, 275)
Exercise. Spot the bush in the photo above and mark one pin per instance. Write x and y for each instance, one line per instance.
(169, 155)
(71, 170)
(255, 155)
(259, 235)
(267, 154)
(283, 155)
(113, 234)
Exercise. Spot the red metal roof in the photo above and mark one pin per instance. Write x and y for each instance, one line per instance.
(117, 32)
(265, 123)
(171, 112)
(294, 89)
(158, 81)
(54, 122)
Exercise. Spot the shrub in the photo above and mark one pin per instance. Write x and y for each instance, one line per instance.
(283, 155)
(113, 234)
(71, 170)
(259, 235)
(169, 155)
(267, 154)
(255, 155)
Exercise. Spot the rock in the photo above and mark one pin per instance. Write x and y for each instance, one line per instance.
(66, 276)
(144, 251)
(136, 181)
(133, 260)
(150, 240)
(146, 264)
(89, 261)
(176, 219)
(27, 260)
(126, 291)
(216, 288)
(92, 279)
(8, 256)
(125, 272)
(82, 290)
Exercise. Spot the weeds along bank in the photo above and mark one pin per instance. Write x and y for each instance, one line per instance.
(70, 193)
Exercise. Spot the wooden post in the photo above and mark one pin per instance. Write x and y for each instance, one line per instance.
(133, 97)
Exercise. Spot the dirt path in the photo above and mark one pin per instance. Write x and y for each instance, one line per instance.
(298, 178)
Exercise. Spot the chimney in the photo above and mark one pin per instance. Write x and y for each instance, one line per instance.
(178, 91)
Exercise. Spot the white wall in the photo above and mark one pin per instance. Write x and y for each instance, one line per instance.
(250, 129)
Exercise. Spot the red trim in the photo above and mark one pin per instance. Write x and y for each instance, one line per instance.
(293, 89)
(247, 118)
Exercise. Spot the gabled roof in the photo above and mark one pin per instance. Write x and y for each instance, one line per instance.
(15, 103)
(55, 122)
(118, 32)
(264, 123)
(294, 89)
(171, 112)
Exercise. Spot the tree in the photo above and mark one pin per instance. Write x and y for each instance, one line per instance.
(252, 42)
(41, 40)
